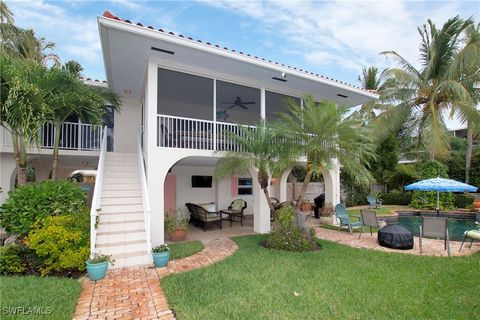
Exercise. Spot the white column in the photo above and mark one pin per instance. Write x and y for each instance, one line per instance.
(261, 210)
(262, 103)
(332, 187)
(155, 171)
(284, 185)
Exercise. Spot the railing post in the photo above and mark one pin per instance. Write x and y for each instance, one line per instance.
(79, 136)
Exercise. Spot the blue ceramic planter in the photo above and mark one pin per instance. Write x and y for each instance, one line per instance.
(97, 271)
(160, 259)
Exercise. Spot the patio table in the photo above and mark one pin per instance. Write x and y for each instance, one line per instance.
(231, 216)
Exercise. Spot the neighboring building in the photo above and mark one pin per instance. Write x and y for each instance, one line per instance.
(184, 97)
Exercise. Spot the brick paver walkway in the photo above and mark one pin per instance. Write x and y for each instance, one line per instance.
(135, 293)
(430, 246)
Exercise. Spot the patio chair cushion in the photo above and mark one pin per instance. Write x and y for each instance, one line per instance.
(237, 205)
(473, 234)
(210, 207)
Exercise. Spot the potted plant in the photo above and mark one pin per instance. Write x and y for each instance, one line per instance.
(476, 202)
(326, 213)
(306, 206)
(176, 223)
(161, 255)
(98, 265)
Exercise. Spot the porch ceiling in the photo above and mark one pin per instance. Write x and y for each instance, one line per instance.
(127, 48)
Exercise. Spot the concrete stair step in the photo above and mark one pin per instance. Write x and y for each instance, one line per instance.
(121, 193)
(140, 258)
(123, 248)
(120, 200)
(121, 208)
(121, 174)
(120, 226)
(118, 236)
(120, 164)
(121, 180)
(120, 216)
(121, 154)
(120, 186)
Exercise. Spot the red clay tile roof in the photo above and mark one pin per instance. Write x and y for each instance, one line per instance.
(108, 14)
(94, 81)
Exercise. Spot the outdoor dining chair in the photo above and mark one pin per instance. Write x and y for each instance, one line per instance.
(369, 219)
(436, 228)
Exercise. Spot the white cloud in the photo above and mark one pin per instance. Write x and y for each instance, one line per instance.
(348, 33)
(129, 4)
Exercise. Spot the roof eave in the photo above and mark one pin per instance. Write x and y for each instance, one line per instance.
(152, 33)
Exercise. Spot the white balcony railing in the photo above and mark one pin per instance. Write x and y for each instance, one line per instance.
(147, 212)
(187, 133)
(73, 136)
(97, 192)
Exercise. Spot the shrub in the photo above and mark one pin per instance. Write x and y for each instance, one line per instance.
(62, 242)
(10, 261)
(397, 198)
(475, 170)
(287, 235)
(428, 199)
(463, 200)
(401, 176)
(31, 203)
(176, 220)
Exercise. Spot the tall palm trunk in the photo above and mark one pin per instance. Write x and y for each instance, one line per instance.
(263, 181)
(306, 181)
(468, 158)
(56, 143)
(20, 154)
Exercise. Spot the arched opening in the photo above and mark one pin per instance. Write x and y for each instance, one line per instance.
(190, 187)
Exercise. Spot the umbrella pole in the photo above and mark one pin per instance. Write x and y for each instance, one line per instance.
(438, 204)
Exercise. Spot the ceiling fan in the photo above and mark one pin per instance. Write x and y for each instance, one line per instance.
(223, 114)
(238, 103)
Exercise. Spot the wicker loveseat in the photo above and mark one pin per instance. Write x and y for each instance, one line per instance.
(200, 216)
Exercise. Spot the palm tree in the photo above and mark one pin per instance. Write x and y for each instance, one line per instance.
(23, 89)
(262, 149)
(469, 58)
(327, 135)
(72, 97)
(25, 45)
(422, 96)
(6, 15)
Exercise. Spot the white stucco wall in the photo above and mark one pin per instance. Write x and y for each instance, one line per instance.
(7, 165)
(127, 124)
(185, 192)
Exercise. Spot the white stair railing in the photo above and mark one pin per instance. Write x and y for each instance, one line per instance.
(97, 192)
(144, 188)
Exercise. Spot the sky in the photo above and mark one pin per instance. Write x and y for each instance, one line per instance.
(331, 38)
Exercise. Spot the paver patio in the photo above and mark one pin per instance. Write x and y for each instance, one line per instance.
(431, 247)
(135, 293)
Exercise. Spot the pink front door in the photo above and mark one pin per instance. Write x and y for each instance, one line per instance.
(170, 192)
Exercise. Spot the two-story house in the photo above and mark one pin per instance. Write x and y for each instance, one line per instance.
(181, 100)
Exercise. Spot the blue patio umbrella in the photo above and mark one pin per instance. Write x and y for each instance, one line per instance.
(441, 185)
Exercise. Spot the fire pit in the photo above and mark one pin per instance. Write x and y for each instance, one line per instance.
(396, 237)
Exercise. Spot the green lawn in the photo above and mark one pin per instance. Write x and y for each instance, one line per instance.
(43, 297)
(337, 282)
(184, 249)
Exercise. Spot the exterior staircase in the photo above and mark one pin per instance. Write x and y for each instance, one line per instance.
(121, 226)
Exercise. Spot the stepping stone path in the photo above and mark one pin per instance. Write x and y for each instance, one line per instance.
(135, 293)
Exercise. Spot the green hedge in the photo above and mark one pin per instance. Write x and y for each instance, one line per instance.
(463, 200)
(397, 198)
(31, 203)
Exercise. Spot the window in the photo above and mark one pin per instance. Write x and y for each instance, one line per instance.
(184, 95)
(237, 103)
(245, 186)
(276, 103)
